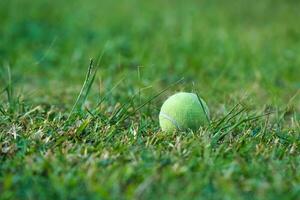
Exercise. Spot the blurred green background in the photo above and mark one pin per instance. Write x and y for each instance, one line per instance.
(219, 47)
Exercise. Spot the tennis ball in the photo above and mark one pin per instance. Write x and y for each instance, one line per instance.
(183, 111)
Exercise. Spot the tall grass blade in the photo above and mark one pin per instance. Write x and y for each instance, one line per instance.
(89, 79)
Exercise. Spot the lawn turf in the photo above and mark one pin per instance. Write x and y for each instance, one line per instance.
(242, 57)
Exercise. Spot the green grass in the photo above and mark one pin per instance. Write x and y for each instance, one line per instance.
(242, 57)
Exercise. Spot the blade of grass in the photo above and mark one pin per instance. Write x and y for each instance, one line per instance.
(227, 115)
(2, 110)
(87, 84)
(152, 98)
(125, 106)
(204, 110)
(219, 135)
(9, 88)
(107, 94)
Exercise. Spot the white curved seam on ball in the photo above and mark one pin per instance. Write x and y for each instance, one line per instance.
(173, 121)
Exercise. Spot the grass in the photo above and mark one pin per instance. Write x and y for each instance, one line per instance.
(64, 135)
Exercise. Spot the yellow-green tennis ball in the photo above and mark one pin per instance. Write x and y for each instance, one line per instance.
(183, 111)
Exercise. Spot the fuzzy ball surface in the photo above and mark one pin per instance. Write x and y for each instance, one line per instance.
(183, 111)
